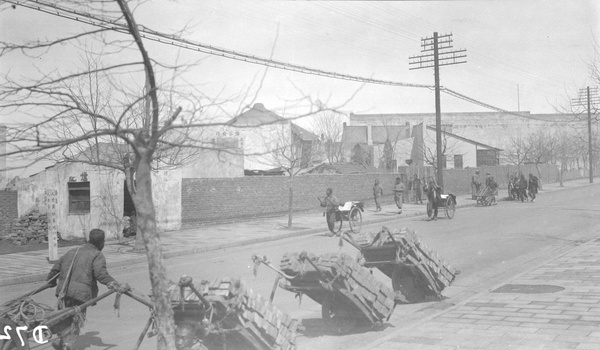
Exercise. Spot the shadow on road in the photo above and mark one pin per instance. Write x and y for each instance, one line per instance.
(89, 339)
(315, 327)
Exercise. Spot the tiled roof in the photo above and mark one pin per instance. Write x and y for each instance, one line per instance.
(256, 116)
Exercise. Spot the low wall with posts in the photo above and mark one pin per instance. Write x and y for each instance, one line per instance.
(206, 201)
(211, 201)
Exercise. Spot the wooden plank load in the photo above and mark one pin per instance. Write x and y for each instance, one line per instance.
(340, 273)
(270, 327)
(402, 248)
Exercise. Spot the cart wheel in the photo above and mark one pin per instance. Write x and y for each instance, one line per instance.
(429, 209)
(450, 207)
(338, 315)
(405, 282)
(355, 220)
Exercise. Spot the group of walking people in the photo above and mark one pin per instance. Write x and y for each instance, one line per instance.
(520, 188)
(418, 186)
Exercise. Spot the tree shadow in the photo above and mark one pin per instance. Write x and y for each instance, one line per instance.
(89, 339)
(315, 327)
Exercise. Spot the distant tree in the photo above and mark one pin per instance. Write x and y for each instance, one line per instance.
(388, 155)
(540, 148)
(516, 150)
(430, 150)
(359, 155)
(330, 128)
(290, 153)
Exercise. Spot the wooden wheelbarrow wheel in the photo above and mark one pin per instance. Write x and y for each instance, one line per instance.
(338, 314)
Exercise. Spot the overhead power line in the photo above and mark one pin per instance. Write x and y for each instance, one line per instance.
(174, 40)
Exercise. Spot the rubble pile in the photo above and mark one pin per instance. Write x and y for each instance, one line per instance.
(30, 228)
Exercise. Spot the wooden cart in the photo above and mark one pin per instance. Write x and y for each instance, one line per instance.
(416, 271)
(224, 314)
(486, 196)
(347, 292)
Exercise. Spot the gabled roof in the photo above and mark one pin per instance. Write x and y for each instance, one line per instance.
(303, 134)
(256, 116)
(466, 139)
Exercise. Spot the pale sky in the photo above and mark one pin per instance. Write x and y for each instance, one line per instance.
(543, 47)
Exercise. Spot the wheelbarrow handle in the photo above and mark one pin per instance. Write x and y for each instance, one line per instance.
(263, 259)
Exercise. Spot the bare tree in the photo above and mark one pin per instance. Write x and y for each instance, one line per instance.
(148, 125)
(290, 152)
(430, 153)
(51, 101)
(516, 150)
(330, 129)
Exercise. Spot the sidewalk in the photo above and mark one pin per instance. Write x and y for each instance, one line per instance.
(552, 306)
(32, 266)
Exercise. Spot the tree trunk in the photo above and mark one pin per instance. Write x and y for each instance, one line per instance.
(129, 178)
(146, 219)
(291, 200)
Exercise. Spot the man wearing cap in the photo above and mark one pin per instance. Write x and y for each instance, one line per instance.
(80, 269)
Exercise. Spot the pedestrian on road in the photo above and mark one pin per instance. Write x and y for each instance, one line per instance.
(80, 269)
(433, 196)
(377, 192)
(416, 183)
(331, 204)
(522, 188)
(533, 186)
(399, 194)
(493, 185)
(475, 185)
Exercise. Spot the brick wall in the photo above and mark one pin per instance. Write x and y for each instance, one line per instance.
(8, 210)
(209, 201)
(206, 201)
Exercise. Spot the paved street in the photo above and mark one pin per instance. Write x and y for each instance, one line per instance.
(551, 242)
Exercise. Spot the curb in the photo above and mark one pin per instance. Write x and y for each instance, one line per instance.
(39, 277)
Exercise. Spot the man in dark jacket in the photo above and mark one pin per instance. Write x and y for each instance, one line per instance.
(80, 269)
(433, 196)
(533, 186)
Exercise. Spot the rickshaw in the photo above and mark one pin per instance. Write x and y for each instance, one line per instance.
(447, 202)
(350, 211)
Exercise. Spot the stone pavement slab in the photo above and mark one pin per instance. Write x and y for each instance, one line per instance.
(536, 317)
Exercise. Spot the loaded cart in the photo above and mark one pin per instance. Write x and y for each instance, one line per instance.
(417, 272)
(347, 292)
(224, 314)
(23, 321)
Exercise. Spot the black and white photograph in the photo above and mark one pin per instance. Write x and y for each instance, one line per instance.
(299, 174)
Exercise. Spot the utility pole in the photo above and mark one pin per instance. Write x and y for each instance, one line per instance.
(436, 59)
(591, 96)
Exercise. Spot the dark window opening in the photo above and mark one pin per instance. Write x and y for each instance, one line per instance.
(79, 197)
(458, 161)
